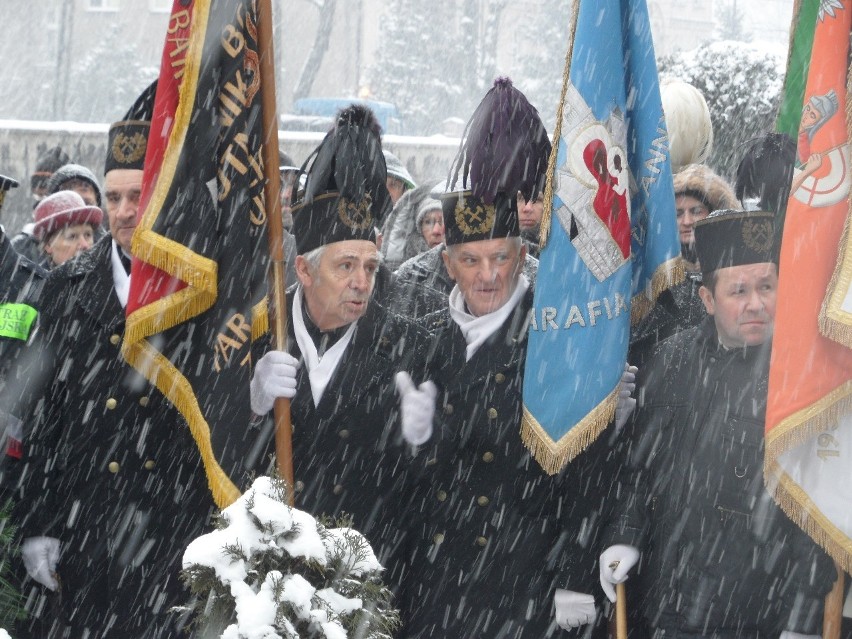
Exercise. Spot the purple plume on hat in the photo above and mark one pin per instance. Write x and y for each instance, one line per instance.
(505, 148)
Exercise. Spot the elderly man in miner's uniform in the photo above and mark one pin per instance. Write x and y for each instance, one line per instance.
(114, 488)
(343, 348)
(720, 557)
(495, 541)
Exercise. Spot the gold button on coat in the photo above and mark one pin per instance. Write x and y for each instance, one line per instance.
(488, 457)
(149, 465)
(442, 495)
(499, 378)
(343, 434)
(111, 403)
(113, 467)
(481, 541)
(300, 485)
(143, 401)
(438, 538)
(114, 339)
(492, 413)
(483, 500)
(448, 409)
(338, 488)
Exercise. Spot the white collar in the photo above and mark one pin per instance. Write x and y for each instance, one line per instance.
(478, 329)
(120, 278)
(320, 370)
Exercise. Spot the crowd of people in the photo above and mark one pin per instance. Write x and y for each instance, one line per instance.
(407, 313)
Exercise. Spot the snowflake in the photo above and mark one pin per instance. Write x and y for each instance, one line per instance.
(828, 7)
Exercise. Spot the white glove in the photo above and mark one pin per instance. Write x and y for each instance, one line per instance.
(417, 406)
(789, 634)
(40, 555)
(626, 403)
(573, 608)
(274, 376)
(615, 562)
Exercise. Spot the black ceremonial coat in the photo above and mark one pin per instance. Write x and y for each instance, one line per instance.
(347, 451)
(720, 558)
(493, 534)
(112, 470)
(20, 283)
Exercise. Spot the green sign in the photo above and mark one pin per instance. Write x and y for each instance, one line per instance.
(16, 320)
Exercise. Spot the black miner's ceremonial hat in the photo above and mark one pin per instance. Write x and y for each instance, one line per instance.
(346, 193)
(128, 138)
(505, 151)
(734, 238)
(6, 183)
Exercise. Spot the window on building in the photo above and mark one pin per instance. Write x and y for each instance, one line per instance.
(102, 5)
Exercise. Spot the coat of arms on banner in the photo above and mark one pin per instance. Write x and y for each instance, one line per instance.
(593, 184)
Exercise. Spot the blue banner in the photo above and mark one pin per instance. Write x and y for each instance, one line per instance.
(612, 242)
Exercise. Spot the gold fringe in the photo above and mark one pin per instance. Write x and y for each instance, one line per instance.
(547, 215)
(259, 319)
(670, 273)
(834, 322)
(797, 504)
(553, 455)
(163, 374)
(809, 422)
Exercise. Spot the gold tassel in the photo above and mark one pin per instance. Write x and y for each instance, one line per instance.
(552, 456)
(668, 274)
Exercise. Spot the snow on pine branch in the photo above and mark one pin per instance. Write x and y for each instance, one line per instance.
(271, 571)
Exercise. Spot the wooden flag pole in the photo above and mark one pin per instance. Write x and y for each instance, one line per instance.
(833, 612)
(620, 611)
(275, 230)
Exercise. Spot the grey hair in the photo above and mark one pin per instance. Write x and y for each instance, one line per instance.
(313, 257)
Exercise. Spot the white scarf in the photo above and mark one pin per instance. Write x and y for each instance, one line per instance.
(478, 329)
(319, 370)
(120, 278)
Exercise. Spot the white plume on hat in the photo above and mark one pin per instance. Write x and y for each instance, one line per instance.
(688, 123)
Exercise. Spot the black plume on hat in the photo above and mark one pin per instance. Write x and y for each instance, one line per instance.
(505, 148)
(766, 171)
(128, 138)
(346, 194)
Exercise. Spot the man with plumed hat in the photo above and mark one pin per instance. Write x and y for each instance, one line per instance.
(495, 541)
(421, 284)
(719, 557)
(114, 488)
(343, 348)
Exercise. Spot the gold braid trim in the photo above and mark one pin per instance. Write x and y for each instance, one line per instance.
(552, 456)
(163, 374)
(546, 215)
(199, 272)
(797, 504)
(834, 322)
(670, 273)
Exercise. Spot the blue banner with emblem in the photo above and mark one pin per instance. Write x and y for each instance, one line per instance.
(610, 235)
